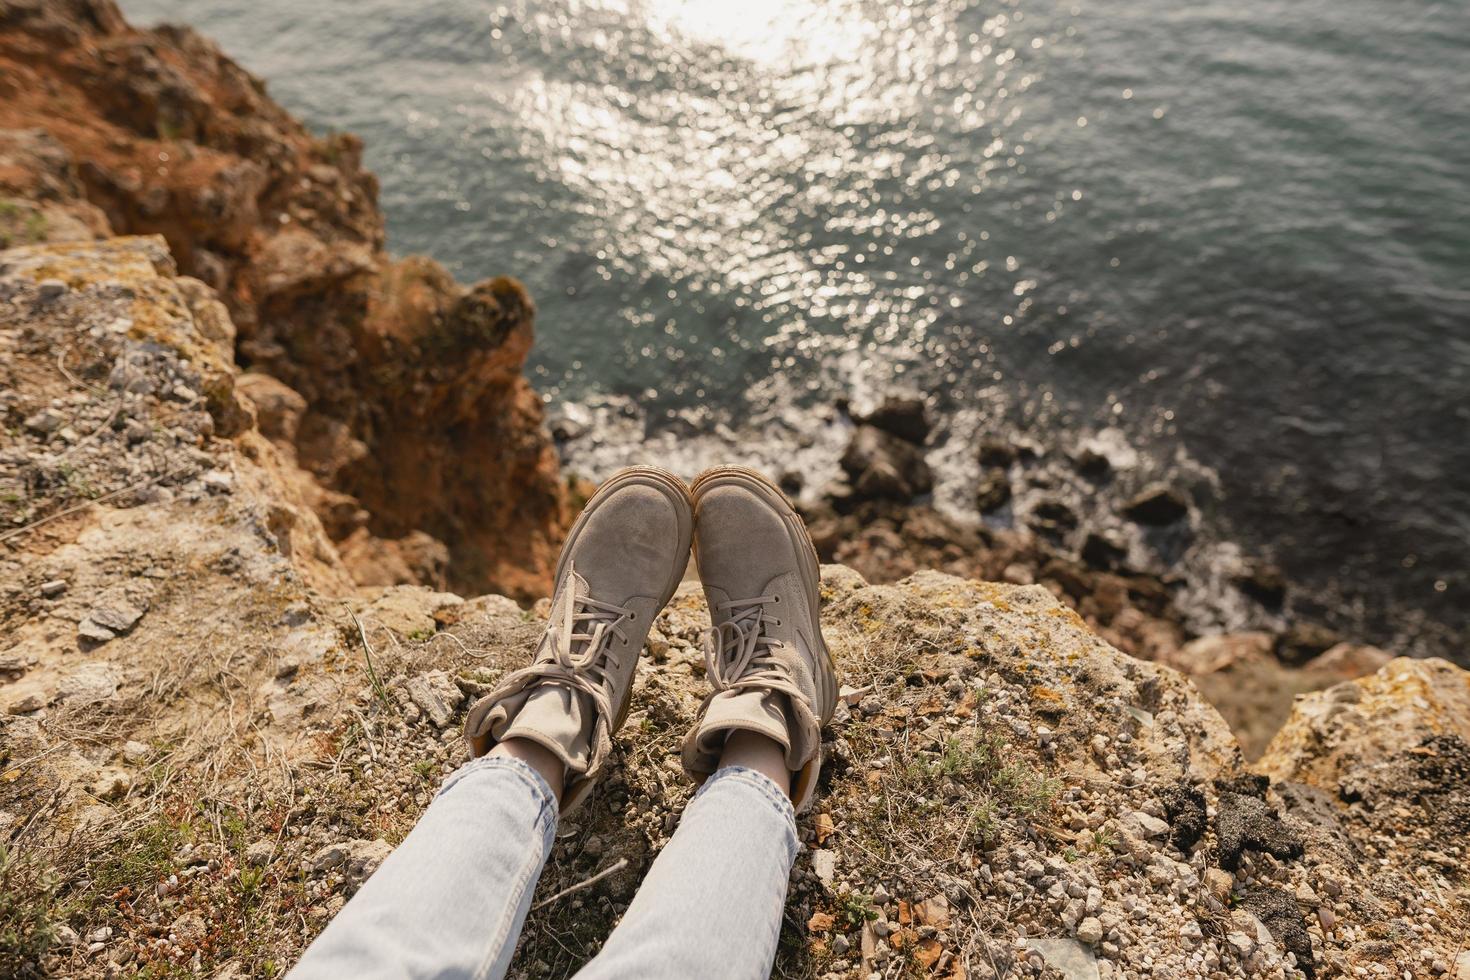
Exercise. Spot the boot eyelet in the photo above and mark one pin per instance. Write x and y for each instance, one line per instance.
(632, 617)
(776, 599)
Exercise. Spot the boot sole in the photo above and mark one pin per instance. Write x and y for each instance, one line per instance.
(659, 479)
(811, 569)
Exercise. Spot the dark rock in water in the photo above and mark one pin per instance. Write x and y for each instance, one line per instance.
(1264, 583)
(571, 422)
(1157, 505)
(996, 452)
(1303, 641)
(1245, 823)
(1281, 914)
(882, 466)
(993, 492)
(827, 530)
(1092, 464)
(839, 494)
(882, 482)
(1074, 580)
(1184, 808)
(1104, 549)
(905, 417)
(1052, 516)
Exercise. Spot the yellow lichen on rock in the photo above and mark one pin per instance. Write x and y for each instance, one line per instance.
(1370, 720)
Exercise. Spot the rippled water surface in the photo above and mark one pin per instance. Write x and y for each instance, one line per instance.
(1239, 233)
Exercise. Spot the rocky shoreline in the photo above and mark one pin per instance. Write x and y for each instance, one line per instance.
(244, 603)
(1122, 549)
(1118, 569)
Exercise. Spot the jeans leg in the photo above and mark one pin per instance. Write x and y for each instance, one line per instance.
(451, 900)
(711, 905)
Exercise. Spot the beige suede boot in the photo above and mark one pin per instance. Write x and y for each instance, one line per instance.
(621, 562)
(767, 660)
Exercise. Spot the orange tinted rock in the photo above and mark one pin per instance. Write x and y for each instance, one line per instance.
(414, 406)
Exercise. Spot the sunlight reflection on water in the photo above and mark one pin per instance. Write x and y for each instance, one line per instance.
(1235, 231)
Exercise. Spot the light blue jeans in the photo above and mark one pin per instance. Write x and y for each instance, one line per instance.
(451, 900)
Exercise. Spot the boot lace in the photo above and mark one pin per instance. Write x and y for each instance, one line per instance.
(578, 641)
(737, 651)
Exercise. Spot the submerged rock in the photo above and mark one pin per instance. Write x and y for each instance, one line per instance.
(1104, 549)
(906, 417)
(881, 466)
(992, 492)
(1263, 582)
(997, 453)
(1157, 505)
(1303, 641)
(1052, 517)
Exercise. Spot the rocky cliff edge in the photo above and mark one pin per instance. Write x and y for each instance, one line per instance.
(398, 391)
(211, 734)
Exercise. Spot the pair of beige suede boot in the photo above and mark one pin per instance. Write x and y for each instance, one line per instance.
(767, 662)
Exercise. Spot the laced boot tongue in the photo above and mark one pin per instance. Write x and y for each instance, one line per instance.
(733, 647)
(749, 670)
(571, 646)
(561, 717)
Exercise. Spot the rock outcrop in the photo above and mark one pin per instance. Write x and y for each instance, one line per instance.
(231, 675)
(210, 735)
(877, 519)
(413, 417)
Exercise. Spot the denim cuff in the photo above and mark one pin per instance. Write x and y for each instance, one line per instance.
(530, 780)
(744, 780)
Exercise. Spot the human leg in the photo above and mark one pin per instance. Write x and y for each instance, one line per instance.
(450, 901)
(712, 902)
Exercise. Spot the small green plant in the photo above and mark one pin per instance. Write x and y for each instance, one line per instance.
(27, 891)
(959, 761)
(236, 830)
(250, 881)
(854, 909)
(146, 857)
(367, 656)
